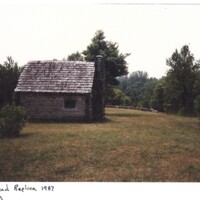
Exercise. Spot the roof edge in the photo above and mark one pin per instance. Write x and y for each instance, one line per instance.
(58, 61)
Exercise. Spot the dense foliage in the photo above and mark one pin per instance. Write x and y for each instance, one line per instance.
(139, 88)
(197, 94)
(12, 120)
(180, 80)
(75, 57)
(9, 74)
(115, 64)
(158, 97)
(117, 97)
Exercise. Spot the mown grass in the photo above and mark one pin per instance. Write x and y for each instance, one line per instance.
(130, 145)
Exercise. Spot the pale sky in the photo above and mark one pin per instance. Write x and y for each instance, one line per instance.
(151, 33)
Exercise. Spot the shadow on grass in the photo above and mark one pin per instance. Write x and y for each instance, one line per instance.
(124, 115)
(106, 120)
(21, 136)
(26, 135)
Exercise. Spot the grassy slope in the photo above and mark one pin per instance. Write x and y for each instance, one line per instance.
(130, 146)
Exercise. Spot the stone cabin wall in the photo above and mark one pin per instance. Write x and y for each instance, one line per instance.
(50, 106)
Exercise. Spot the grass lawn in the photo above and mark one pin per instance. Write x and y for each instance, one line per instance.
(130, 146)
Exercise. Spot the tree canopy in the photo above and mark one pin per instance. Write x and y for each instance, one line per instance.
(179, 94)
(115, 63)
(9, 74)
(75, 57)
(138, 87)
(179, 91)
(157, 99)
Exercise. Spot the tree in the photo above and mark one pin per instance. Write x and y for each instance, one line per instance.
(117, 97)
(197, 93)
(115, 64)
(157, 99)
(138, 87)
(179, 95)
(135, 84)
(9, 74)
(147, 92)
(75, 57)
(123, 83)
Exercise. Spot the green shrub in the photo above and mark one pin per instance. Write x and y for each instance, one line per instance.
(197, 105)
(126, 101)
(12, 120)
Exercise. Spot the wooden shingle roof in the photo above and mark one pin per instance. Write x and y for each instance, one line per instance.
(57, 77)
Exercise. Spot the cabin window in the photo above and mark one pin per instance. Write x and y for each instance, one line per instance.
(70, 103)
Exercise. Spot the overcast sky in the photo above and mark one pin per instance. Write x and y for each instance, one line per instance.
(150, 33)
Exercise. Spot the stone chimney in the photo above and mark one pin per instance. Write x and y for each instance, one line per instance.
(98, 92)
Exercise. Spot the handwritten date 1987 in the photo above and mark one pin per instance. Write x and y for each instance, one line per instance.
(47, 188)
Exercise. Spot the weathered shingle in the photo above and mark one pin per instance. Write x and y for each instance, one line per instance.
(57, 76)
